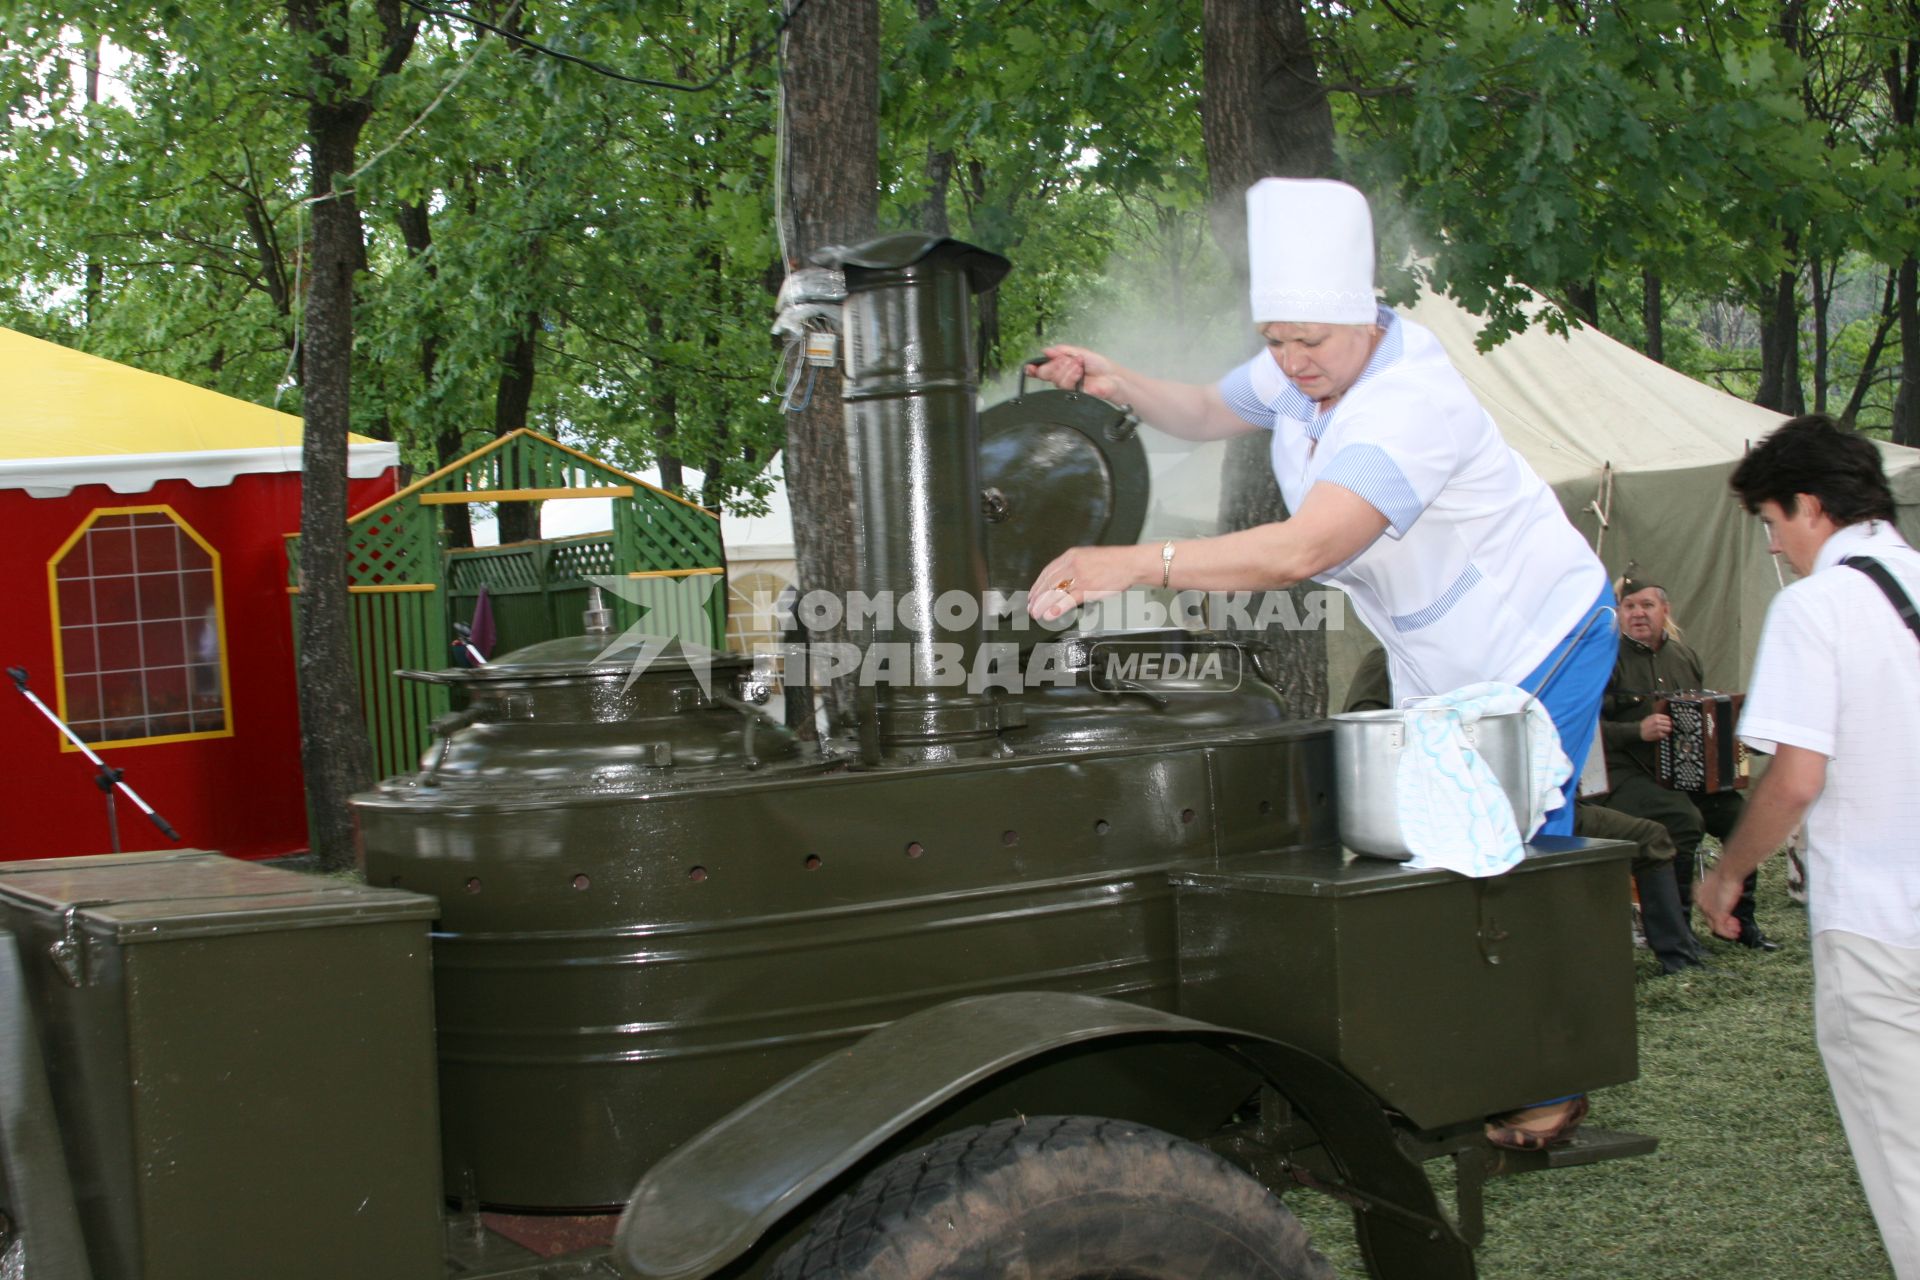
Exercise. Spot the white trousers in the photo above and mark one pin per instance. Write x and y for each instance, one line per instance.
(1866, 1013)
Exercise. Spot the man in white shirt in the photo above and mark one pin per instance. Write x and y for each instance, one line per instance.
(1835, 697)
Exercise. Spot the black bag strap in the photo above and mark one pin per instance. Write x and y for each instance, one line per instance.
(1884, 580)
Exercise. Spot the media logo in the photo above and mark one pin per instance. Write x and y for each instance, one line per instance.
(1189, 666)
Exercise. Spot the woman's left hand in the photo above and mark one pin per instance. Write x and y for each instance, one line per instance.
(1084, 574)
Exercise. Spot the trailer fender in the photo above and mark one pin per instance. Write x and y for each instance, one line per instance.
(708, 1202)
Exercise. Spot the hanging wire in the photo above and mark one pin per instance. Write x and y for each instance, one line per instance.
(346, 187)
(600, 68)
(780, 148)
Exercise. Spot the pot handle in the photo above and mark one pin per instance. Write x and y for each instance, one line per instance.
(432, 677)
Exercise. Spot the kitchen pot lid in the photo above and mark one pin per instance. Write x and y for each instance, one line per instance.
(1058, 469)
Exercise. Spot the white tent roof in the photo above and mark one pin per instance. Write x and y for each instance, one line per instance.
(1572, 404)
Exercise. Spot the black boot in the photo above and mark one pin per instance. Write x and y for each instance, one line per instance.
(1683, 867)
(1668, 935)
(1750, 935)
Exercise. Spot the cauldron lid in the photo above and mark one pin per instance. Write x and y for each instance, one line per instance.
(603, 653)
(1058, 469)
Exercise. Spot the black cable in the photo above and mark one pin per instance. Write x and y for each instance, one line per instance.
(602, 69)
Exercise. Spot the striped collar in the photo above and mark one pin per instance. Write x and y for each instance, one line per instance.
(1296, 405)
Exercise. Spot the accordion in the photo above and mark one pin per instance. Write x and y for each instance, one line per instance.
(1702, 753)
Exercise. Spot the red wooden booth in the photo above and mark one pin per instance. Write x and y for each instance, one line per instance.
(142, 525)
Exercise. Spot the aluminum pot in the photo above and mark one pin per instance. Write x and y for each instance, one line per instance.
(1367, 746)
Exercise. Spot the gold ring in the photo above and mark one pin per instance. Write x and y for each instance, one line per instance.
(1065, 584)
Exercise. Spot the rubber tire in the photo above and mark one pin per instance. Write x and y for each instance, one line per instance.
(1056, 1198)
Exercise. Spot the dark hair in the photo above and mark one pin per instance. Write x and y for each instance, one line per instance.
(1815, 455)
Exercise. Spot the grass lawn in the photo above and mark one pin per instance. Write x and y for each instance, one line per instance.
(1752, 1181)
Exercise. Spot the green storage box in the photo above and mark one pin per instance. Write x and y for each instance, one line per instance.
(1451, 998)
(241, 1062)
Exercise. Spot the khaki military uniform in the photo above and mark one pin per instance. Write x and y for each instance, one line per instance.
(1641, 676)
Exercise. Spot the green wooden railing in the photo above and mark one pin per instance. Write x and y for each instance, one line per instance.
(407, 590)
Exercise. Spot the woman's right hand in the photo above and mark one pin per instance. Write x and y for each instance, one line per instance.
(1078, 369)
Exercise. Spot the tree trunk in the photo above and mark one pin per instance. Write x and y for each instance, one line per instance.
(1583, 296)
(986, 305)
(1822, 280)
(96, 275)
(1263, 113)
(1653, 316)
(939, 159)
(1780, 346)
(830, 75)
(1889, 312)
(1780, 315)
(519, 521)
(1906, 401)
(449, 441)
(1263, 110)
(334, 750)
(665, 403)
(1903, 89)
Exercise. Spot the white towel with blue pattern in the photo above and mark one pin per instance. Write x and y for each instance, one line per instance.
(1453, 813)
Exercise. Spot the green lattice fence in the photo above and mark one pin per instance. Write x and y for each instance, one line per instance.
(407, 590)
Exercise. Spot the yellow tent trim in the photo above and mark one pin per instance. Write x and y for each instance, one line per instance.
(63, 403)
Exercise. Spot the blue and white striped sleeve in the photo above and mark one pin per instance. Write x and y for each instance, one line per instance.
(1253, 391)
(1369, 471)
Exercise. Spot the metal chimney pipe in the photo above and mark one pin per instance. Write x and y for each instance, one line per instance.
(913, 436)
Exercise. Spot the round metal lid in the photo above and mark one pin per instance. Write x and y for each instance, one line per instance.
(571, 657)
(1058, 469)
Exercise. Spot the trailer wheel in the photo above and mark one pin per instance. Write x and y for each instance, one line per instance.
(1056, 1198)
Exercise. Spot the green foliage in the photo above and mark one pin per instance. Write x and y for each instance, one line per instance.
(634, 224)
(1560, 147)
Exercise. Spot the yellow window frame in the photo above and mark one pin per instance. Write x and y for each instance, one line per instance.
(220, 628)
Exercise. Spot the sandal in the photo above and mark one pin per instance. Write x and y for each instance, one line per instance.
(1508, 1131)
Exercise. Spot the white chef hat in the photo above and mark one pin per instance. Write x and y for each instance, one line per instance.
(1310, 252)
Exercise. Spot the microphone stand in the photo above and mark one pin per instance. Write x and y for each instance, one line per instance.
(107, 779)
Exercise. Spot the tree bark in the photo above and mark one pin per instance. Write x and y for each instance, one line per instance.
(334, 749)
(1889, 310)
(519, 521)
(1653, 316)
(830, 74)
(939, 159)
(1821, 277)
(1263, 113)
(1780, 345)
(1780, 315)
(449, 441)
(1906, 401)
(1584, 297)
(96, 275)
(665, 402)
(1263, 110)
(1903, 89)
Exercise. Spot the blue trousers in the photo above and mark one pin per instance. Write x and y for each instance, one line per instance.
(1572, 696)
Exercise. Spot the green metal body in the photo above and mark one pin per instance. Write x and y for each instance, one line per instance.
(676, 945)
(240, 1060)
(1448, 997)
(599, 952)
(675, 948)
